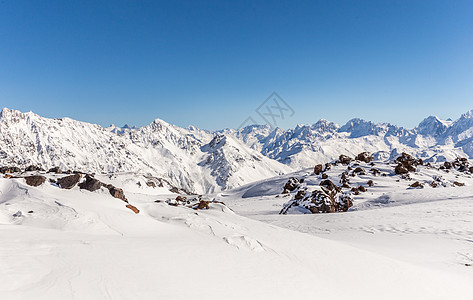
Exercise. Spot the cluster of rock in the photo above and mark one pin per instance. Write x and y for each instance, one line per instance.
(68, 182)
(324, 199)
(406, 163)
(196, 203)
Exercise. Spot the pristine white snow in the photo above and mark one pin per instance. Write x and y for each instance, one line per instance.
(396, 243)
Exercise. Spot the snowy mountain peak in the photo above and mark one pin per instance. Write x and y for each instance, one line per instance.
(433, 126)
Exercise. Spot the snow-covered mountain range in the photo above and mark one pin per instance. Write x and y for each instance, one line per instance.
(201, 161)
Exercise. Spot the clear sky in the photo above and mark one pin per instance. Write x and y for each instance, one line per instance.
(212, 63)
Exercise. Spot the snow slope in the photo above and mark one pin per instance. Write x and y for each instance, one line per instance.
(77, 244)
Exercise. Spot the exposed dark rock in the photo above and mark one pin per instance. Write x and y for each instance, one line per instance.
(68, 182)
(117, 193)
(318, 169)
(362, 189)
(151, 184)
(91, 184)
(417, 184)
(364, 157)
(202, 205)
(471, 169)
(406, 163)
(370, 183)
(56, 170)
(300, 194)
(321, 201)
(359, 171)
(456, 183)
(324, 176)
(35, 180)
(355, 191)
(329, 185)
(345, 160)
(447, 165)
(10, 170)
(291, 184)
(400, 169)
(375, 171)
(33, 168)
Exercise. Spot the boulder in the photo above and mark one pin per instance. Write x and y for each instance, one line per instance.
(400, 169)
(329, 185)
(359, 171)
(10, 170)
(91, 184)
(375, 171)
(471, 169)
(324, 176)
(417, 184)
(318, 169)
(291, 184)
(35, 180)
(68, 182)
(202, 205)
(406, 162)
(370, 183)
(456, 183)
(300, 194)
(56, 170)
(151, 184)
(320, 200)
(133, 208)
(362, 189)
(364, 157)
(117, 193)
(345, 160)
(33, 168)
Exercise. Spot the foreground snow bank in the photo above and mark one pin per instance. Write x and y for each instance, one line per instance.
(77, 244)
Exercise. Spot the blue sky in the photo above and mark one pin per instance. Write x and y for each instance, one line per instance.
(212, 63)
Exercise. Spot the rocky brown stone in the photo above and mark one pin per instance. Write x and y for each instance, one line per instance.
(117, 193)
(300, 194)
(362, 189)
(33, 168)
(291, 184)
(400, 169)
(345, 160)
(133, 208)
(328, 185)
(417, 184)
(324, 176)
(318, 169)
(370, 183)
(456, 183)
(35, 180)
(68, 182)
(151, 184)
(202, 205)
(91, 184)
(364, 157)
(56, 170)
(10, 170)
